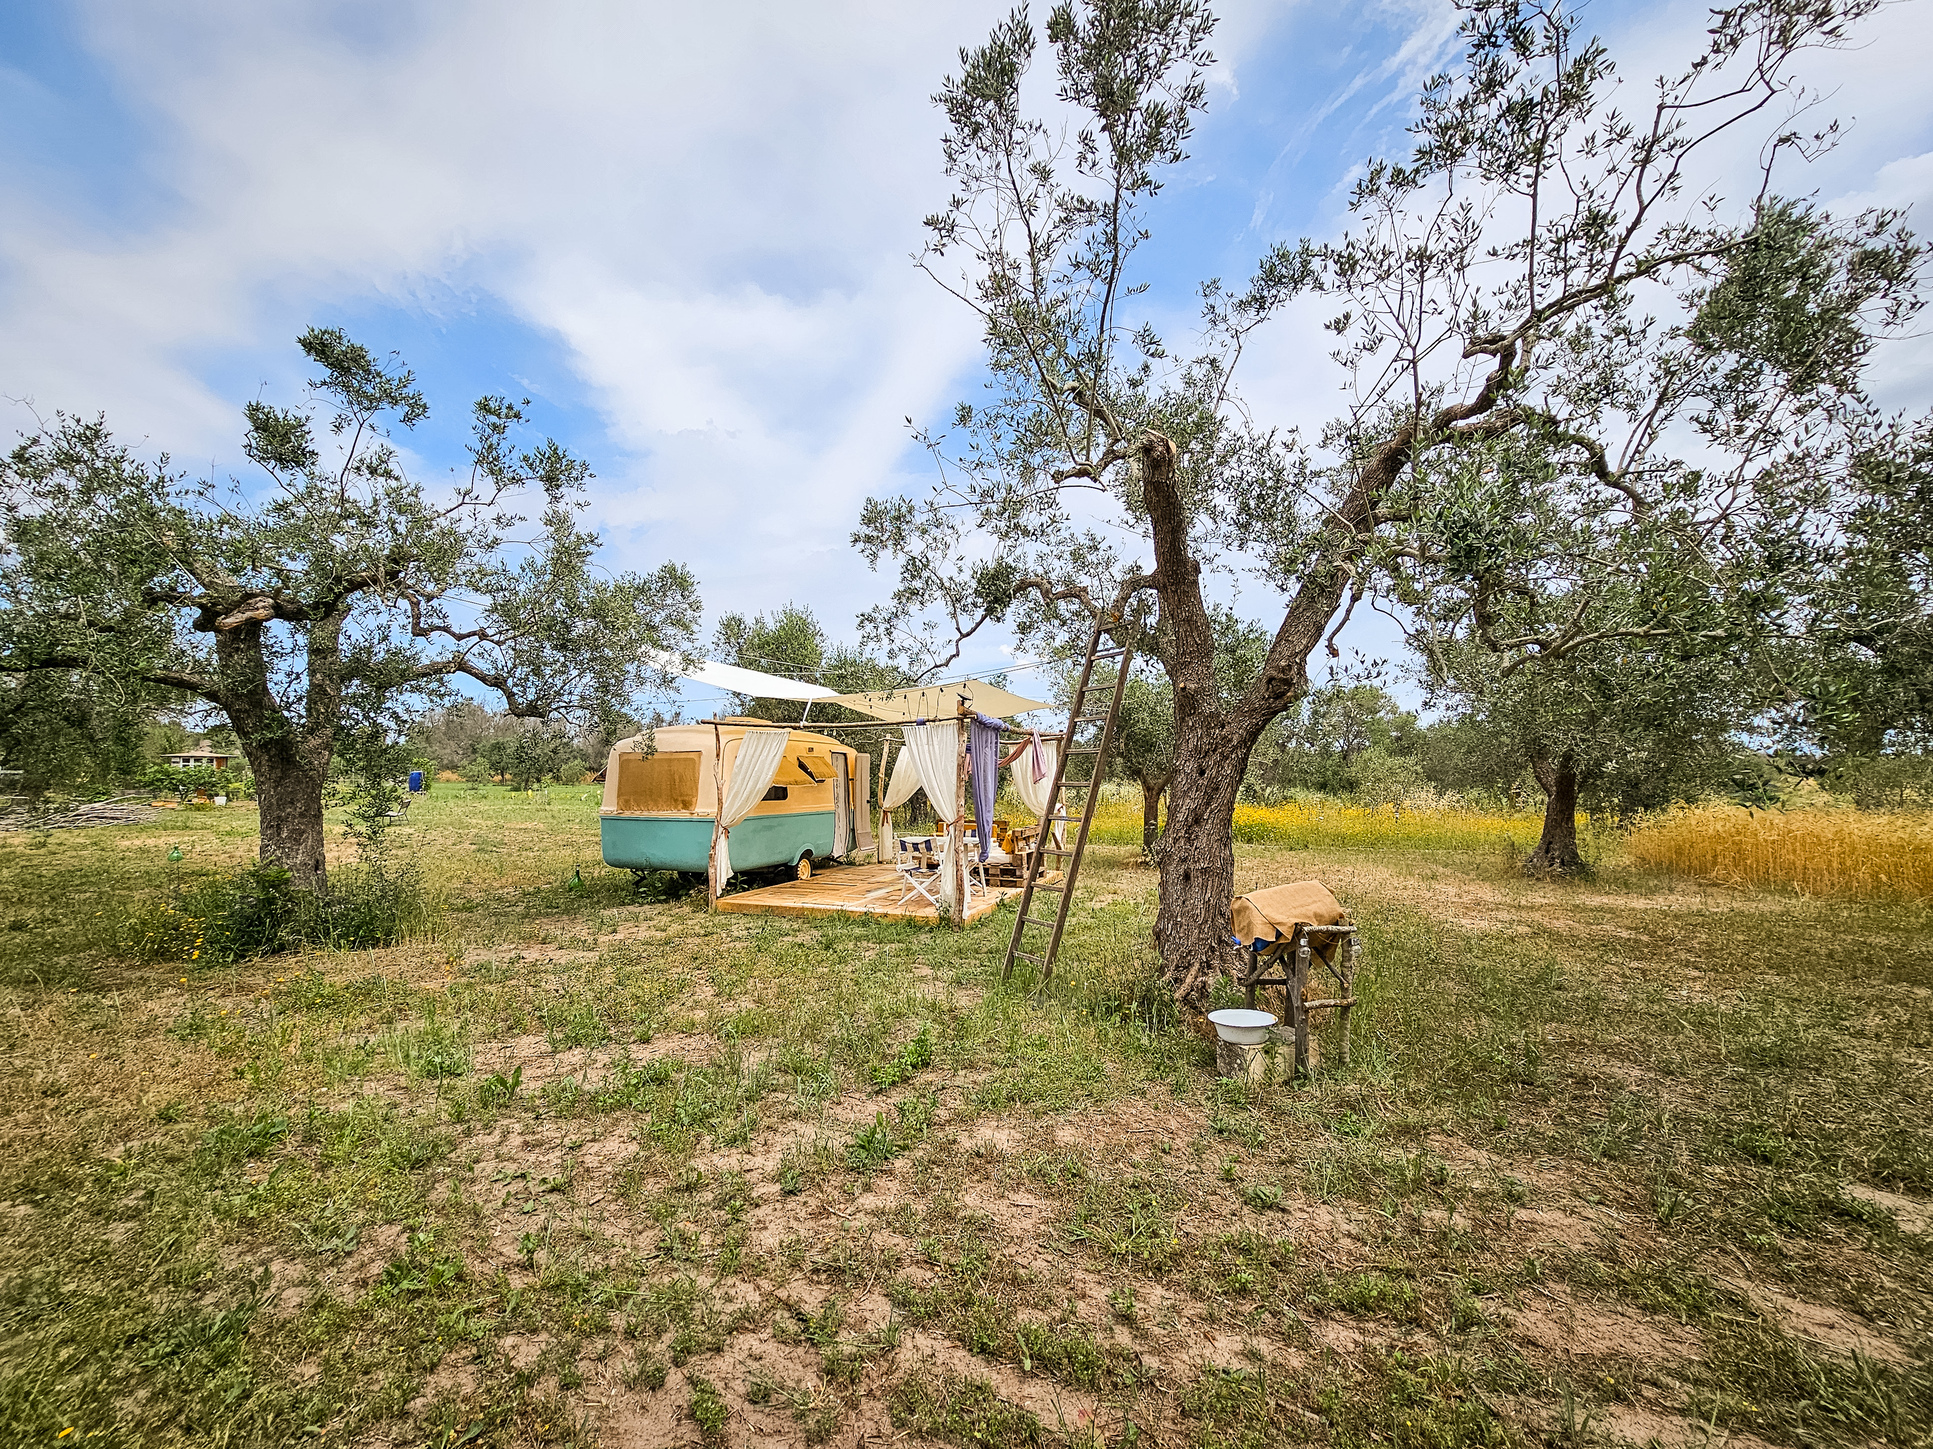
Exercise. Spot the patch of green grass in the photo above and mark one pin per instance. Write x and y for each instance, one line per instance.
(915, 1056)
(707, 1409)
(960, 1411)
(876, 1144)
(1371, 1295)
(1761, 1381)
(1131, 1220)
(980, 1310)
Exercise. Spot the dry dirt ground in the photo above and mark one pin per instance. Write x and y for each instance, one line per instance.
(1619, 1161)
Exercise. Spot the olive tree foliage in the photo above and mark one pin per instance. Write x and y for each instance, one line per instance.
(1534, 225)
(1659, 522)
(1614, 728)
(1854, 681)
(71, 734)
(335, 590)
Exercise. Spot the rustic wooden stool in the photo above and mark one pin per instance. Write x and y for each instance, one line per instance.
(1291, 956)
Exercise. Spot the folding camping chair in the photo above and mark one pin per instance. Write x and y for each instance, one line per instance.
(912, 855)
(1277, 935)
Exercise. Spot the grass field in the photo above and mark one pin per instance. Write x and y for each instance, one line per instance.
(1630, 1160)
(1820, 852)
(1302, 824)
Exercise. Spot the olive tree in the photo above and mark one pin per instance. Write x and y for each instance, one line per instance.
(334, 589)
(1652, 531)
(1533, 216)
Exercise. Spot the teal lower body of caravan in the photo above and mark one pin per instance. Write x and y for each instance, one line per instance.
(648, 842)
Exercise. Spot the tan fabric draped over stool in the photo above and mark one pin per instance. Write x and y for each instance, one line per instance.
(1276, 913)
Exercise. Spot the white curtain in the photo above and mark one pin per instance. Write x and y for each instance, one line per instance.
(901, 784)
(759, 754)
(841, 805)
(934, 750)
(1032, 792)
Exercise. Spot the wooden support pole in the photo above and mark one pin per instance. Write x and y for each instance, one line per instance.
(1299, 1013)
(717, 812)
(956, 831)
(1352, 957)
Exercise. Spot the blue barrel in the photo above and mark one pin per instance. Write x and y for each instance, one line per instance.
(415, 781)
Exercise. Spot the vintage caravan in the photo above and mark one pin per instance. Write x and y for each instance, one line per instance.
(659, 807)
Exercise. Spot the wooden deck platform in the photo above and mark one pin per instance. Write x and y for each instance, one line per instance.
(860, 890)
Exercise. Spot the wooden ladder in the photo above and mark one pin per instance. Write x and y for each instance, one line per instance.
(1087, 785)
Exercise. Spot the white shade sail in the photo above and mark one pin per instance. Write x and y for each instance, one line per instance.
(741, 681)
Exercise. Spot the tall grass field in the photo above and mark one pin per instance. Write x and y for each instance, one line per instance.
(1814, 852)
(1303, 824)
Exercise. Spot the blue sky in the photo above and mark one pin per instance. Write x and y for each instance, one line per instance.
(684, 231)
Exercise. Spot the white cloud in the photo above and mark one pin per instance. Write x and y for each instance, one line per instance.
(710, 207)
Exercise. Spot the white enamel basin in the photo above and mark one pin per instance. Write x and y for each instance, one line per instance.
(1242, 1026)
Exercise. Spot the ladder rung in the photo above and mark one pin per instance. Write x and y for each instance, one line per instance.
(1088, 719)
(1036, 921)
(1024, 956)
(1054, 850)
(1107, 653)
(1084, 750)
(1048, 885)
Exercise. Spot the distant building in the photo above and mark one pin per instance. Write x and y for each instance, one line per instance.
(201, 755)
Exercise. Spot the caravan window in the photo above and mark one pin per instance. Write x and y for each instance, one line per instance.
(777, 792)
(665, 781)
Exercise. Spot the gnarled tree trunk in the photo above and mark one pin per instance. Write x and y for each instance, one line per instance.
(1191, 927)
(1212, 745)
(1556, 851)
(289, 795)
(290, 759)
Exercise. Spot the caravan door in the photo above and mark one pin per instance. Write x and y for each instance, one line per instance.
(841, 805)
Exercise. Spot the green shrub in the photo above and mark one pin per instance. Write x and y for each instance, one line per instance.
(260, 911)
(372, 905)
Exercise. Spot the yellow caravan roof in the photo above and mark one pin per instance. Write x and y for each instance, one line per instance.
(686, 736)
